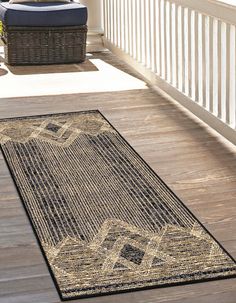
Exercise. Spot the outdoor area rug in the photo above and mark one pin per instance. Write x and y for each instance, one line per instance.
(103, 218)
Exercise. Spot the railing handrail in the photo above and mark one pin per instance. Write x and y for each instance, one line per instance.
(186, 48)
(220, 10)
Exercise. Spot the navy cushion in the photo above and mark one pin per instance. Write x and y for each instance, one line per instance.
(43, 14)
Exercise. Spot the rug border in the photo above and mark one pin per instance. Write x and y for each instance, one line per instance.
(162, 181)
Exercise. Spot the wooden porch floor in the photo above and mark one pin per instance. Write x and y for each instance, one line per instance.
(193, 160)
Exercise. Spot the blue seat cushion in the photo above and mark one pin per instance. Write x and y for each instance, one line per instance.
(43, 14)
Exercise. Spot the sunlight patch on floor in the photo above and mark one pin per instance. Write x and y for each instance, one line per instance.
(93, 76)
(231, 2)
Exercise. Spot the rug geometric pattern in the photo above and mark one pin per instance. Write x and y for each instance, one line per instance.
(103, 218)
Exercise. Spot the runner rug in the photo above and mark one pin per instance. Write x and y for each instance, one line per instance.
(104, 220)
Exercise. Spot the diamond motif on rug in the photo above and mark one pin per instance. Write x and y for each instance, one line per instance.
(52, 127)
(132, 254)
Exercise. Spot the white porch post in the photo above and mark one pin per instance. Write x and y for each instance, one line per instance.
(95, 18)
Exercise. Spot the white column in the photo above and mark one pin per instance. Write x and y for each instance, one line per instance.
(95, 19)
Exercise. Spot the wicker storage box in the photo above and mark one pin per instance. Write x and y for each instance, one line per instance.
(44, 45)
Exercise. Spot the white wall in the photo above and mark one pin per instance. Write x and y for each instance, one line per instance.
(95, 14)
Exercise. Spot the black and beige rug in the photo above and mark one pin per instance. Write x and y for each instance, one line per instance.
(104, 220)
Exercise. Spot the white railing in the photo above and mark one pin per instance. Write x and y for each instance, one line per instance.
(190, 46)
